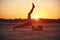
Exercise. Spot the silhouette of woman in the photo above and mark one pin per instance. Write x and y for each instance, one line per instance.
(29, 19)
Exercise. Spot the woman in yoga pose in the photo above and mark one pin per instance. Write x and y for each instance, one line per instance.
(28, 23)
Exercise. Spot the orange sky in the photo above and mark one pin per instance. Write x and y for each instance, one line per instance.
(20, 8)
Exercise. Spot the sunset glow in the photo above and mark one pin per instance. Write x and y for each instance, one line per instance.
(36, 17)
(20, 9)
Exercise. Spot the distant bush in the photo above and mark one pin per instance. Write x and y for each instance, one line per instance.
(24, 20)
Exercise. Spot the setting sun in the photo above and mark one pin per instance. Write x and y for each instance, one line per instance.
(11, 9)
(36, 16)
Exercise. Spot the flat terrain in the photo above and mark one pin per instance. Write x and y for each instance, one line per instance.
(51, 31)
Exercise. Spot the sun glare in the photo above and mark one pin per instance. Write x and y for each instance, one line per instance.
(36, 16)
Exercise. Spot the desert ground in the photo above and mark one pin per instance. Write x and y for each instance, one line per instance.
(51, 31)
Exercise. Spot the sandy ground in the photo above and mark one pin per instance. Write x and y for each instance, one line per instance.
(50, 31)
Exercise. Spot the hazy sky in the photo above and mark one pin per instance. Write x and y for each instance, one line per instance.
(20, 8)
